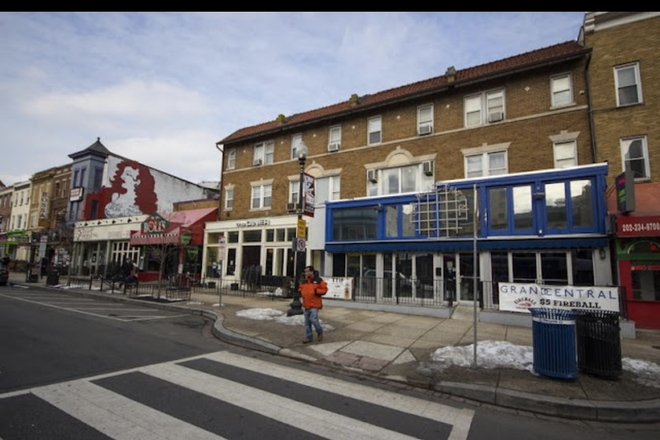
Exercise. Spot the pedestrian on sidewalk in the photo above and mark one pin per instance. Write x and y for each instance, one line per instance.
(311, 291)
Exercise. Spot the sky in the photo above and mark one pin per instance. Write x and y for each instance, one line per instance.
(163, 88)
(489, 354)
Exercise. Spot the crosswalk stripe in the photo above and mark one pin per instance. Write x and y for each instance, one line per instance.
(305, 417)
(461, 419)
(116, 416)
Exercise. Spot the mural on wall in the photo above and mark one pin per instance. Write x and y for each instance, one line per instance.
(131, 190)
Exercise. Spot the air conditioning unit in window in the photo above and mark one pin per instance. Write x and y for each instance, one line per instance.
(495, 116)
(372, 176)
(334, 146)
(257, 162)
(425, 129)
(428, 167)
(292, 207)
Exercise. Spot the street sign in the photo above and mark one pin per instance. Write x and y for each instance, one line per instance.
(222, 248)
(301, 231)
(301, 244)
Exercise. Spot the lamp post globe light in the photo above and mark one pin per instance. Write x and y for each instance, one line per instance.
(296, 305)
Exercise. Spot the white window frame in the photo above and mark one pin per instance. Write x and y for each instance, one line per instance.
(334, 135)
(619, 87)
(565, 153)
(475, 105)
(261, 195)
(561, 90)
(334, 189)
(424, 117)
(231, 159)
(264, 151)
(625, 146)
(229, 198)
(482, 156)
(375, 125)
(294, 189)
(296, 139)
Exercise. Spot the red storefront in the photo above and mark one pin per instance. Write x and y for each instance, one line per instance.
(637, 248)
(174, 240)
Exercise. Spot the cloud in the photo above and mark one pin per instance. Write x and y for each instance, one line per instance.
(163, 87)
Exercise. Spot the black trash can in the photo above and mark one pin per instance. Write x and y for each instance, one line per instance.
(53, 277)
(599, 343)
(553, 336)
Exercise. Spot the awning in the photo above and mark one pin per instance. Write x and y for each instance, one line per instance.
(190, 222)
(468, 245)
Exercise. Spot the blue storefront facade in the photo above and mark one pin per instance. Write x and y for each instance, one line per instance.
(465, 237)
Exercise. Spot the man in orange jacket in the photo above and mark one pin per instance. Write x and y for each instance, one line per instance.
(311, 292)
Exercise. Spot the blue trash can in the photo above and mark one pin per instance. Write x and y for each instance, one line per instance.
(553, 336)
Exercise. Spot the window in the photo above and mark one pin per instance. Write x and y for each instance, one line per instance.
(425, 119)
(98, 178)
(484, 108)
(231, 159)
(229, 198)
(561, 89)
(327, 188)
(261, 196)
(374, 130)
(634, 154)
(628, 85)
(334, 136)
(263, 153)
(406, 178)
(294, 191)
(565, 154)
(296, 139)
(486, 164)
(400, 180)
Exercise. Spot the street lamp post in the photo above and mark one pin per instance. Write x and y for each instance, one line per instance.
(296, 305)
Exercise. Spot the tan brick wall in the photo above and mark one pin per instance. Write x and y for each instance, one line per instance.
(635, 42)
(529, 123)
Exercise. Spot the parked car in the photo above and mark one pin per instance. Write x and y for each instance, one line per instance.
(4, 274)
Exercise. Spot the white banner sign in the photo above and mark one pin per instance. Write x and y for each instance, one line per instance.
(517, 297)
(339, 287)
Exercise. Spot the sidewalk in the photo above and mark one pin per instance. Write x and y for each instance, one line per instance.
(398, 347)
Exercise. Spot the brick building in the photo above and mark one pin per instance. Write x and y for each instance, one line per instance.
(521, 114)
(624, 74)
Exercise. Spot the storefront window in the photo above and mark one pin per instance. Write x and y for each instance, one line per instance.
(524, 267)
(252, 236)
(582, 204)
(522, 207)
(646, 280)
(355, 223)
(391, 221)
(583, 267)
(554, 269)
(498, 209)
(555, 204)
(232, 237)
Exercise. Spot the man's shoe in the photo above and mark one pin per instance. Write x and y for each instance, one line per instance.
(320, 337)
(307, 340)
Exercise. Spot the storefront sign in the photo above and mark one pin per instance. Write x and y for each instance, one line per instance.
(43, 208)
(638, 226)
(154, 224)
(339, 287)
(76, 194)
(248, 223)
(517, 297)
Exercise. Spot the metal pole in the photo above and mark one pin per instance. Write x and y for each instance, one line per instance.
(296, 305)
(474, 270)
